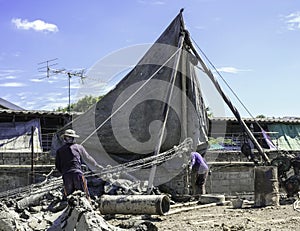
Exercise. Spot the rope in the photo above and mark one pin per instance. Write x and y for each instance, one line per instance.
(233, 92)
(126, 101)
(219, 74)
(105, 174)
(33, 189)
(147, 162)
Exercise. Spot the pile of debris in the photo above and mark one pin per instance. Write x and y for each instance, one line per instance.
(44, 208)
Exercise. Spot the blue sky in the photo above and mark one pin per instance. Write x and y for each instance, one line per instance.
(254, 44)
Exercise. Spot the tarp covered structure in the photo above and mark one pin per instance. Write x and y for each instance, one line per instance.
(158, 100)
(285, 136)
(16, 137)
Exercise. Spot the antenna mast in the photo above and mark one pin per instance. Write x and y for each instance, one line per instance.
(50, 71)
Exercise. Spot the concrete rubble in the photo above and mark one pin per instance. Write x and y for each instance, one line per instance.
(47, 210)
(50, 212)
(80, 214)
(42, 207)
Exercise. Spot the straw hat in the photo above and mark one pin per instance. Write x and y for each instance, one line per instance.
(70, 133)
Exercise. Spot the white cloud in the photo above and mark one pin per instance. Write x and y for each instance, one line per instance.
(158, 3)
(152, 2)
(74, 86)
(37, 25)
(52, 106)
(36, 80)
(200, 27)
(48, 101)
(231, 70)
(23, 97)
(52, 101)
(10, 77)
(7, 72)
(293, 21)
(12, 84)
(23, 94)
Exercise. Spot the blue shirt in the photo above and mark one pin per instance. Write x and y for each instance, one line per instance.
(69, 158)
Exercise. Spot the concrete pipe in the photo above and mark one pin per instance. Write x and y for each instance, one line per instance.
(134, 204)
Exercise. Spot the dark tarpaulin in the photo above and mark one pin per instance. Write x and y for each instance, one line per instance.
(154, 94)
(124, 125)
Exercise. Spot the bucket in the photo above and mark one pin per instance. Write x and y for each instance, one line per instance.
(237, 203)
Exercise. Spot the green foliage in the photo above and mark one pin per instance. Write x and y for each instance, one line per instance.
(81, 105)
(261, 116)
(221, 140)
(209, 113)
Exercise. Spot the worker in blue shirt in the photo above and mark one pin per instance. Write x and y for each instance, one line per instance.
(68, 162)
(199, 171)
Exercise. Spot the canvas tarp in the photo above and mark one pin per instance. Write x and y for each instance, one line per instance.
(16, 136)
(285, 136)
(161, 91)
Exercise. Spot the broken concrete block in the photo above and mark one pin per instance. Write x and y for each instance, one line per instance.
(25, 215)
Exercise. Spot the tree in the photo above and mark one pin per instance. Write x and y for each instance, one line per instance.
(261, 117)
(82, 104)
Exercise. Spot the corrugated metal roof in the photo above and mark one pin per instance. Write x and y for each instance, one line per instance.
(35, 112)
(290, 120)
(8, 105)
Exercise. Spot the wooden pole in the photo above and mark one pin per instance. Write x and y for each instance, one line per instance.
(162, 130)
(69, 105)
(231, 106)
(32, 155)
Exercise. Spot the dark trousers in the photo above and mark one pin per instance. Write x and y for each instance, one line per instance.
(73, 182)
(198, 182)
(201, 181)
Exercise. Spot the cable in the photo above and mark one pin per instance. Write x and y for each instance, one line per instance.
(219, 74)
(147, 162)
(126, 101)
(243, 105)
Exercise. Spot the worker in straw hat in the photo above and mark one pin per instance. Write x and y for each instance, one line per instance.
(68, 162)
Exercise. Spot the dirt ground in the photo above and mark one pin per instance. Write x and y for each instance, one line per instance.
(270, 218)
(226, 218)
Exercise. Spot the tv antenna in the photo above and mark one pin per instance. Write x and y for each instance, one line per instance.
(51, 71)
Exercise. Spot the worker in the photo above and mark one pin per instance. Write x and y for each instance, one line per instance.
(199, 171)
(68, 162)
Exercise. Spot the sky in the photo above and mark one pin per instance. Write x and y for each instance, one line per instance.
(253, 44)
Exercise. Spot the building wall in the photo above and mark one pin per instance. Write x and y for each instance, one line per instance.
(231, 180)
(14, 176)
(25, 158)
(230, 174)
(223, 180)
